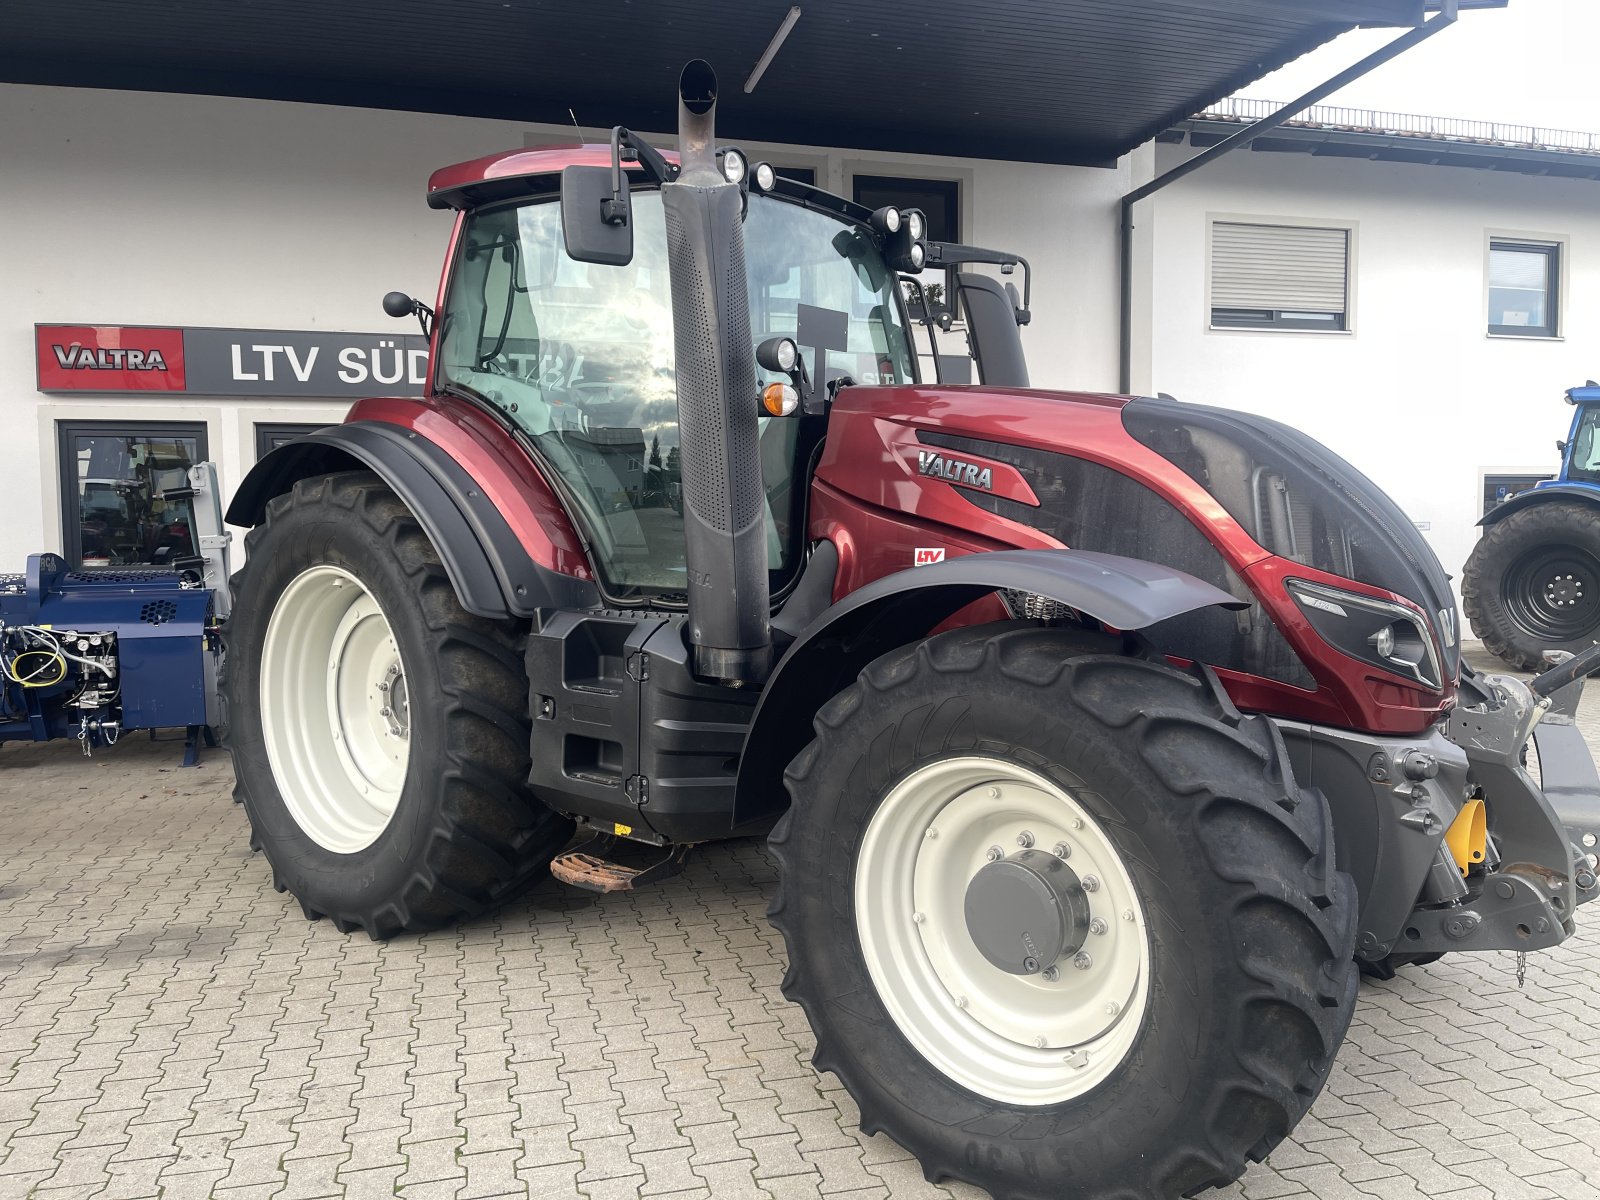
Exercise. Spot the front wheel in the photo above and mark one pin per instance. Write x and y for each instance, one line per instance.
(1062, 923)
(1532, 583)
(379, 733)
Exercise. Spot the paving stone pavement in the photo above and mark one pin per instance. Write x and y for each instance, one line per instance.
(170, 1026)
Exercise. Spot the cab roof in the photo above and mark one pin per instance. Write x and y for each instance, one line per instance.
(514, 173)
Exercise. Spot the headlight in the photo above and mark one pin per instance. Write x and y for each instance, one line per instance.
(732, 166)
(1378, 632)
(917, 223)
(766, 177)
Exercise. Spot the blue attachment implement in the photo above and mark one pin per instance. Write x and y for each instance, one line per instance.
(92, 654)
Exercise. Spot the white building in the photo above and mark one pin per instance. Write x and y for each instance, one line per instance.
(145, 208)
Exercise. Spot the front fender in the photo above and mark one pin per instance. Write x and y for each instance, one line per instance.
(1582, 493)
(492, 573)
(1124, 593)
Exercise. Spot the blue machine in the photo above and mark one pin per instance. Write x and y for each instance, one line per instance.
(93, 654)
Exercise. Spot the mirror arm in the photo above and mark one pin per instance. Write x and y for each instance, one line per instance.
(615, 209)
(947, 254)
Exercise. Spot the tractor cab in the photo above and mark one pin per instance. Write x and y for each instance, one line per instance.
(579, 358)
(1580, 452)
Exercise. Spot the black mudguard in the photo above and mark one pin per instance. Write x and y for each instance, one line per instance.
(1579, 493)
(492, 574)
(1124, 593)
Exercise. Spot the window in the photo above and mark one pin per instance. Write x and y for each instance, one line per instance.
(271, 435)
(1279, 276)
(1497, 489)
(1524, 280)
(112, 480)
(580, 356)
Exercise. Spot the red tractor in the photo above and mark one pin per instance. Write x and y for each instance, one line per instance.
(1101, 741)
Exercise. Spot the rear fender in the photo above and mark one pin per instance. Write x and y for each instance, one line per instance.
(1582, 493)
(1123, 593)
(492, 573)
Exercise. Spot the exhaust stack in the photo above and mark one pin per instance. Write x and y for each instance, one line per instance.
(724, 500)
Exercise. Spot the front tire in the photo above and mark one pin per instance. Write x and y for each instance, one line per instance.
(1532, 583)
(1219, 937)
(379, 732)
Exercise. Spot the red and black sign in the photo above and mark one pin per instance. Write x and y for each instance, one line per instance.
(228, 362)
(109, 358)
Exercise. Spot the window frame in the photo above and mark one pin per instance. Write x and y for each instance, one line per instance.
(1282, 321)
(262, 432)
(71, 502)
(1554, 250)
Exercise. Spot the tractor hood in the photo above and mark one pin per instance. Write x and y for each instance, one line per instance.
(1255, 489)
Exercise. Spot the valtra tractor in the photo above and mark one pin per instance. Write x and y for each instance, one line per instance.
(1532, 583)
(1084, 827)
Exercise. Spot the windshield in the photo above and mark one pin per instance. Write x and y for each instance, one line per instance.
(580, 358)
(1586, 446)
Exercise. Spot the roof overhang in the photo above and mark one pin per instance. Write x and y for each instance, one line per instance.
(1060, 81)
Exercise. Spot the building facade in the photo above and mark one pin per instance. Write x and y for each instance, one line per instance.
(1347, 296)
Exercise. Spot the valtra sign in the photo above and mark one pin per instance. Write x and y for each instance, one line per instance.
(228, 362)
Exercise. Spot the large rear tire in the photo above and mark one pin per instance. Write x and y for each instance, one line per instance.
(1532, 583)
(379, 732)
(1212, 982)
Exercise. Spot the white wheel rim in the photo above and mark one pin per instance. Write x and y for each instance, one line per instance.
(335, 710)
(1015, 1039)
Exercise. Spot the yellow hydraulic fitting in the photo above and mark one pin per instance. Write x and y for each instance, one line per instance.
(1468, 835)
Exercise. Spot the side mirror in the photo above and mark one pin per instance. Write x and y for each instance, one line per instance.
(1561, 447)
(398, 304)
(596, 225)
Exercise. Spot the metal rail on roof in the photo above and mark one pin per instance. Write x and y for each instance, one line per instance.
(1370, 120)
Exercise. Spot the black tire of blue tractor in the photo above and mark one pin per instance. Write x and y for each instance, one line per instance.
(1553, 522)
(1253, 928)
(466, 834)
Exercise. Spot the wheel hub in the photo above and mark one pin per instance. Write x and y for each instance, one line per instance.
(1563, 590)
(1027, 911)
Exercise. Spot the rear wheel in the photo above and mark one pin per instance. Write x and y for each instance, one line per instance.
(1532, 583)
(1060, 920)
(379, 733)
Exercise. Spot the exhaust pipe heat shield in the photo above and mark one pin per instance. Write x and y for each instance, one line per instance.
(723, 494)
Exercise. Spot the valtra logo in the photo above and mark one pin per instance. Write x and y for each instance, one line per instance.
(78, 357)
(109, 358)
(953, 470)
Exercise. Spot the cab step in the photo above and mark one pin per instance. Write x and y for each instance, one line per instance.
(589, 865)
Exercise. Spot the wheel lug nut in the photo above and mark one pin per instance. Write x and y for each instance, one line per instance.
(1127, 914)
(1097, 926)
(383, 712)
(1091, 883)
(932, 833)
(1113, 1009)
(919, 918)
(1025, 839)
(994, 793)
(1051, 974)
(994, 854)
(961, 1002)
(1082, 961)
(1062, 850)
(1040, 1042)
(1077, 822)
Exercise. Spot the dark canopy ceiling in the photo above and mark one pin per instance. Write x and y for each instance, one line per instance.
(1069, 81)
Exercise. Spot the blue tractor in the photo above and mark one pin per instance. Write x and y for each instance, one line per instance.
(1532, 584)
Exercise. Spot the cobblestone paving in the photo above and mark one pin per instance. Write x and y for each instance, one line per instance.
(171, 1026)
